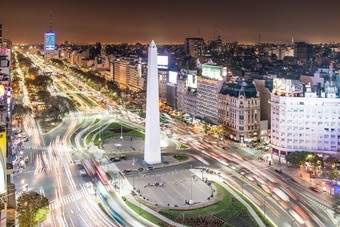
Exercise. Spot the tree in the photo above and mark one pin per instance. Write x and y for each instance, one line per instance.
(58, 106)
(334, 174)
(32, 208)
(315, 160)
(297, 157)
(43, 95)
(21, 111)
(332, 161)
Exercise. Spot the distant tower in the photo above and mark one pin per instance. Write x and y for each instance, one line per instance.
(152, 147)
(51, 23)
(50, 37)
(0, 35)
(292, 40)
(259, 38)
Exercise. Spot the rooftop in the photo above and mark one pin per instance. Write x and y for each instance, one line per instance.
(246, 88)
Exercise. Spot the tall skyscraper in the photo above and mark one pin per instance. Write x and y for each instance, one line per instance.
(152, 147)
(50, 37)
(0, 35)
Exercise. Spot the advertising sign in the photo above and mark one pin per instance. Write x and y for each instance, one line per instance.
(2, 90)
(162, 62)
(173, 77)
(49, 41)
(192, 81)
(3, 181)
(212, 72)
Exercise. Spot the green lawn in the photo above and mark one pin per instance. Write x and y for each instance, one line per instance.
(181, 157)
(183, 146)
(227, 211)
(143, 213)
(95, 121)
(259, 213)
(89, 136)
(114, 130)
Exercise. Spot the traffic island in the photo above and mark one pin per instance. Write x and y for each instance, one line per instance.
(225, 211)
(177, 189)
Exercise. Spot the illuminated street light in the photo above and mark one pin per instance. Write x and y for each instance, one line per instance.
(121, 131)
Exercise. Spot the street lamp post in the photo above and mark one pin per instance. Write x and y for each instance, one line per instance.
(264, 205)
(121, 131)
(291, 223)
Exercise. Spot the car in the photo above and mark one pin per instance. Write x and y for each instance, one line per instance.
(165, 162)
(127, 170)
(240, 171)
(278, 170)
(140, 169)
(233, 167)
(115, 159)
(123, 156)
(315, 189)
(149, 168)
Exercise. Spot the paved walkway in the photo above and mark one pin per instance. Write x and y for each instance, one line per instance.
(147, 209)
(220, 182)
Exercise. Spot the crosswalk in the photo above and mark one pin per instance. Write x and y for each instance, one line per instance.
(56, 204)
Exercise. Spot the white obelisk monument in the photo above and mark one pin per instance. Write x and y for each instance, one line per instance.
(152, 147)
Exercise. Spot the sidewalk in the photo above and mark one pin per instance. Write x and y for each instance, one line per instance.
(131, 199)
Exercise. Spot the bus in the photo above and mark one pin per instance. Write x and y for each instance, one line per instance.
(102, 175)
(89, 167)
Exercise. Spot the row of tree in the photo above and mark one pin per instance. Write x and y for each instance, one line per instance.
(301, 157)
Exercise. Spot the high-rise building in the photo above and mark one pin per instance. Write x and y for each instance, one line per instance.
(304, 118)
(129, 71)
(152, 148)
(7, 193)
(239, 110)
(194, 47)
(49, 42)
(209, 85)
(187, 92)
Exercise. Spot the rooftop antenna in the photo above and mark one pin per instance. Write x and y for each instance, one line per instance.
(51, 23)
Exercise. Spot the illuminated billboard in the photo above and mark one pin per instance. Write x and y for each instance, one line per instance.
(2, 90)
(162, 62)
(212, 72)
(3, 180)
(173, 77)
(49, 41)
(192, 81)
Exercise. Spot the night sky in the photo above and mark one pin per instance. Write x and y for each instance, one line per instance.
(170, 21)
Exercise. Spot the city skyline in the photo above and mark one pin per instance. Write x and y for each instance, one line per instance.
(117, 22)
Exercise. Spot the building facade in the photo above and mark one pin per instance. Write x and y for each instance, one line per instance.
(187, 92)
(304, 118)
(129, 72)
(239, 110)
(209, 85)
(194, 47)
